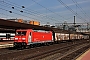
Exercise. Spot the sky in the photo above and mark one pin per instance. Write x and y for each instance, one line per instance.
(46, 11)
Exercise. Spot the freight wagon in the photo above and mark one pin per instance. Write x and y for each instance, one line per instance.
(23, 38)
(61, 36)
(65, 37)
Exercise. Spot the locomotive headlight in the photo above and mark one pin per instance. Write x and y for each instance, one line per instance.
(16, 38)
(23, 38)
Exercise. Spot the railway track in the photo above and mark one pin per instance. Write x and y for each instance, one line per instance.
(71, 55)
(12, 54)
(62, 53)
(42, 52)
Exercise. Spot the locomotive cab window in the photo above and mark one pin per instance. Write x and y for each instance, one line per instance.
(21, 33)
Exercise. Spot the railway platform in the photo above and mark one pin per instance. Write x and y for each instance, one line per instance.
(5, 44)
(85, 56)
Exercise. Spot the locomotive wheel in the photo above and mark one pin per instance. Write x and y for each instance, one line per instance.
(22, 47)
(51, 43)
(46, 44)
(38, 45)
(27, 47)
(32, 46)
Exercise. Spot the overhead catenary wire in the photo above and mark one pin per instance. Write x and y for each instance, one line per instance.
(6, 15)
(81, 9)
(13, 11)
(34, 13)
(7, 6)
(72, 11)
(48, 9)
(27, 11)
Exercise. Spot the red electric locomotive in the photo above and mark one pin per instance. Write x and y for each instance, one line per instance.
(30, 37)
